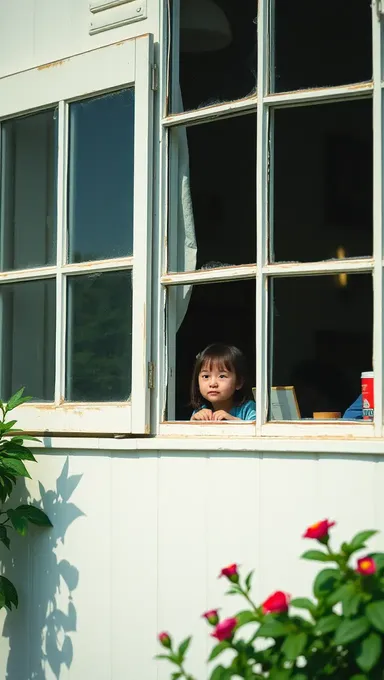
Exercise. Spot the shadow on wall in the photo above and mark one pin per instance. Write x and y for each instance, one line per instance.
(40, 632)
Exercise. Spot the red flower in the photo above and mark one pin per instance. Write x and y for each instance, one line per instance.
(212, 616)
(276, 604)
(231, 573)
(165, 640)
(224, 629)
(319, 530)
(366, 566)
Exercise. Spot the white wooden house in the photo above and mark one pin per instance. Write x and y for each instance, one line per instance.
(175, 173)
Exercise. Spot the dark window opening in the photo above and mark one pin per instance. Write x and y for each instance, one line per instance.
(321, 338)
(217, 52)
(321, 192)
(221, 312)
(321, 45)
(323, 182)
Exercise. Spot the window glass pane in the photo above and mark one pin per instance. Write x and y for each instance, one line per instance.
(28, 191)
(322, 339)
(212, 196)
(101, 159)
(99, 337)
(321, 44)
(27, 322)
(323, 187)
(214, 313)
(217, 53)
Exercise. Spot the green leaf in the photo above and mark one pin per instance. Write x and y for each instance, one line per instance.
(279, 674)
(234, 590)
(183, 646)
(327, 624)
(300, 676)
(273, 629)
(359, 676)
(4, 536)
(350, 630)
(3, 492)
(18, 521)
(176, 676)
(162, 656)
(375, 614)
(303, 603)
(248, 581)
(8, 590)
(294, 645)
(173, 658)
(16, 400)
(339, 594)
(15, 467)
(27, 437)
(316, 555)
(379, 559)
(219, 673)
(245, 617)
(326, 581)
(17, 450)
(369, 651)
(35, 516)
(5, 427)
(8, 484)
(358, 541)
(351, 604)
(218, 649)
(6, 542)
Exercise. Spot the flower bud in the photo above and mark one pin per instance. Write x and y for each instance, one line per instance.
(231, 573)
(319, 531)
(224, 630)
(165, 640)
(212, 617)
(277, 603)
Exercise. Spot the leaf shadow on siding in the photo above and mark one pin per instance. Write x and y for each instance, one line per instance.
(41, 631)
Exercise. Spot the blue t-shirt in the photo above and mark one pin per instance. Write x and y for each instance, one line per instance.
(355, 411)
(246, 411)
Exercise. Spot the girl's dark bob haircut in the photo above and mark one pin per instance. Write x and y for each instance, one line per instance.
(229, 358)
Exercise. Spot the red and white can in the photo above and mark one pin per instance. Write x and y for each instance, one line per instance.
(367, 395)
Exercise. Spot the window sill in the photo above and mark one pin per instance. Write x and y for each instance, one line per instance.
(361, 446)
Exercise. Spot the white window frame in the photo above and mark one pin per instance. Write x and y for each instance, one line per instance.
(124, 64)
(263, 103)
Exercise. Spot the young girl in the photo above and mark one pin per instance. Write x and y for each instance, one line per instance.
(220, 389)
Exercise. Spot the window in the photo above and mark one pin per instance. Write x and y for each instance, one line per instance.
(274, 175)
(75, 221)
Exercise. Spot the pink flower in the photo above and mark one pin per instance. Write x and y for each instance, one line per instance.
(165, 640)
(224, 629)
(319, 530)
(212, 616)
(276, 604)
(366, 566)
(231, 573)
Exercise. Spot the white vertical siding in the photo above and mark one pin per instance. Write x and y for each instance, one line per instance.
(138, 541)
(34, 32)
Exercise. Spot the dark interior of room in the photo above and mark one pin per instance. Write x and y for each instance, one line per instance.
(320, 207)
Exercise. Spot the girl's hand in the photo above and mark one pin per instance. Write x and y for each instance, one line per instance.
(203, 414)
(223, 415)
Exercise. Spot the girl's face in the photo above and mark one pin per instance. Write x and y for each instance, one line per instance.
(218, 384)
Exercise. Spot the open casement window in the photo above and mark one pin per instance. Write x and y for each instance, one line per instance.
(75, 223)
(280, 142)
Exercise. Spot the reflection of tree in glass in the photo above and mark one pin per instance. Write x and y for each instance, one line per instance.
(100, 337)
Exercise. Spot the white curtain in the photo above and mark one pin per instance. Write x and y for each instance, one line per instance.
(186, 237)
